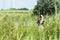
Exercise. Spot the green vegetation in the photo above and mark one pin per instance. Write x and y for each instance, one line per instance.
(12, 27)
(46, 7)
(19, 9)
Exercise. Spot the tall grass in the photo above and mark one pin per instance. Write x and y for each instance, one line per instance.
(27, 28)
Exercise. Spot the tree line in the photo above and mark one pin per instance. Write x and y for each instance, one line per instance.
(17, 9)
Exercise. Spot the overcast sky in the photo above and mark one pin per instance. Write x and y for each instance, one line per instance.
(6, 4)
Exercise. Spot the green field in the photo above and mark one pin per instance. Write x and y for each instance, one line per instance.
(20, 25)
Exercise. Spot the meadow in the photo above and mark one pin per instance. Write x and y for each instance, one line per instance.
(20, 25)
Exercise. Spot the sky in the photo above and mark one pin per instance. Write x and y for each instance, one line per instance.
(6, 4)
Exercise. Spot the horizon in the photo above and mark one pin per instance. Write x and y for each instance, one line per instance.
(7, 4)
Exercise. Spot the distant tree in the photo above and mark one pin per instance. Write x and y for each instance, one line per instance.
(2, 9)
(23, 9)
(13, 9)
(19, 9)
(46, 7)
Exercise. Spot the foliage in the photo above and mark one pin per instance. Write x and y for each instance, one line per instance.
(46, 7)
(19, 9)
(12, 8)
(29, 31)
(23, 9)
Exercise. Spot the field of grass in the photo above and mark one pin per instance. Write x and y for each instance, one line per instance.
(22, 26)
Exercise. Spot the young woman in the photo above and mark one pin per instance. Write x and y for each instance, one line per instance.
(41, 20)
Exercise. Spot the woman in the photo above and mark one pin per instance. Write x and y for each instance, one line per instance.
(41, 20)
